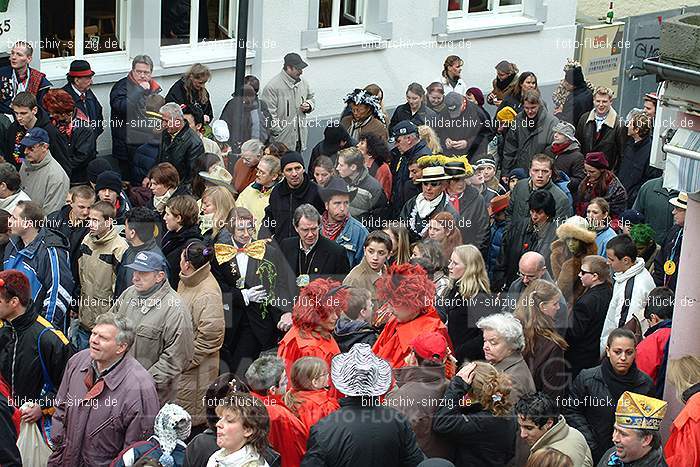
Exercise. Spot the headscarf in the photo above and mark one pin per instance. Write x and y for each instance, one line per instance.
(172, 423)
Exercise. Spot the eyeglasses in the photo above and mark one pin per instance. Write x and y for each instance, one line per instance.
(431, 183)
(584, 272)
(526, 276)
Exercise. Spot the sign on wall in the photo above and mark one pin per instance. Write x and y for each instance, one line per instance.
(599, 50)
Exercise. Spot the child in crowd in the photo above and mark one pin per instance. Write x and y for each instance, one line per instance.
(355, 324)
(309, 397)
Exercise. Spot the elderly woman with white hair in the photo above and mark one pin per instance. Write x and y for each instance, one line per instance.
(504, 342)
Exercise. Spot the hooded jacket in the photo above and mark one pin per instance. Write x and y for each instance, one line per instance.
(21, 342)
(284, 200)
(97, 268)
(164, 341)
(45, 263)
(652, 354)
(283, 97)
(609, 140)
(525, 140)
(349, 332)
(643, 283)
(566, 440)
(45, 182)
(181, 150)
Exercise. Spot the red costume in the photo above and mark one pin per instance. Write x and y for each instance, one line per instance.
(294, 346)
(287, 433)
(406, 287)
(683, 446)
(312, 406)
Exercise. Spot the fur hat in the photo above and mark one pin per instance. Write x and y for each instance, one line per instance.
(576, 227)
(317, 301)
(406, 286)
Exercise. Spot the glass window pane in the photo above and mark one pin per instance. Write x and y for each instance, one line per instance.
(477, 6)
(454, 5)
(101, 32)
(511, 2)
(325, 11)
(175, 21)
(350, 12)
(57, 24)
(214, 20)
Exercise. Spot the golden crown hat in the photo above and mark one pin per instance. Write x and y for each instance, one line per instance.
(639, 412)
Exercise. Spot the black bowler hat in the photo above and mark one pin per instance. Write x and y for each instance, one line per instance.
(79, 69)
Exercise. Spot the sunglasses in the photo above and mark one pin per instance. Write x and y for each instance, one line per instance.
(584, 272)
(431, 183)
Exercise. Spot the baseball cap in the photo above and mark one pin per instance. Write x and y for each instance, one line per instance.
(35, 136)
(430, 346)
(148, 261)
(453, 102)
(295, 60)
(405, 127)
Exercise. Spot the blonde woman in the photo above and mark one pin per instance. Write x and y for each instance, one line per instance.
(544, 347)
(190, 90)
(217, 202)
(428, 135)
(466, 300)
(401, 243)
(309, 397)
(475, 413)
(683, 446)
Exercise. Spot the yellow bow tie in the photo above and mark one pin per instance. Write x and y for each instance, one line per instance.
(225, 252)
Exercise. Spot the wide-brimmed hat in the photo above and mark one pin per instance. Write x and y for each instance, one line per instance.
(433, 174)
(680, 201)
(499, 203)
(360, 372)
(218, 175)
(336, 186)
(458, 167)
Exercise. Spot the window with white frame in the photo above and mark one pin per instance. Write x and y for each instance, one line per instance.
(191, 21)
(334, 14)
(75, 28)
(460, 8)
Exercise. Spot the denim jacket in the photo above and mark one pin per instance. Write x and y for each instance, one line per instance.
(352, 238)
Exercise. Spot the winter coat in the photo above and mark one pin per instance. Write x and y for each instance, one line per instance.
(511, 89)
(255, 199)
(547, 366)
(655, 458)
(45, 263)
(473, 220)
(97, 268)
(242, 175)
(13, 151)
(283, 97)
(129, 124)
(294, 345)
(587, 320)
(369, 195)
(179, 94)
(287, 434)
(363, 277)
(609, 140)
(90, 435)
(634, 167)
(462, 314)
(416, 388)
(653, 201)
(352, 238)
(145, 157)
(172, 244)
(246, 120)
(514, 366)
(312, 406)
(326, 259)
(24, 343)
(526, 139)
(373, 126)
(9, 454)
(424, 116)
(45, 182)
(81, 148)
(590, 407)
(569, 161)
(388, 442)
(202, 296)
(652, 354)
(73, 231)
(643, 283)
(566, 266)
(520, 238)
(399, 169)
(91, 107)
(578, 102)
(567, 440)
(418, 226)
(382, 174)
(470, 125)
(202, 446)
(164, 338)
(518, 208)
(459, 87)
(683, 446)
(181, 150)
(615, 195)
(480, 437)
(349, 332)
(602, 237)
(495, 244)
(284, 200)
(674, 238)
(125, 275)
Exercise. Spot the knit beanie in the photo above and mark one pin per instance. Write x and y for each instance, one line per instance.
(97, 166)
(289, 157)
(478, 95)
(109, 179)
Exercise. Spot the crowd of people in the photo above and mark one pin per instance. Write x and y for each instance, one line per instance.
(441, 286)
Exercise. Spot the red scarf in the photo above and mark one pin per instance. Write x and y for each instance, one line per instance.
(329, 229)
(558, 148)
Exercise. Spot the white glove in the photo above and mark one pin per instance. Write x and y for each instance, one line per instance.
(255, 294)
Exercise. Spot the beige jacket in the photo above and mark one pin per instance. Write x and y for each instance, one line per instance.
(201, 294)
(567, 440)
(97, 268)
(283, 98)
(164, 338)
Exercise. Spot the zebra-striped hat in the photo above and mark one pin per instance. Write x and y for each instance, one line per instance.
(360, 372)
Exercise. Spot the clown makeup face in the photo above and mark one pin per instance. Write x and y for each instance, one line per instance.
(574, 245)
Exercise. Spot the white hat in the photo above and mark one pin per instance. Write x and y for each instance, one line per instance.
(360, 372)
(218, 175)
(220, 130)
